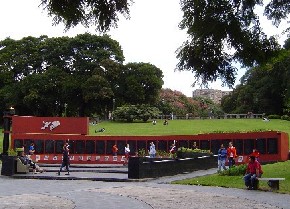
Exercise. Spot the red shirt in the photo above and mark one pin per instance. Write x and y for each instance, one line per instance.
(114, 149)
(253, 167)
(232, 152)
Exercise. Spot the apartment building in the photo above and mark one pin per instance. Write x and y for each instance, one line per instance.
(213, 94)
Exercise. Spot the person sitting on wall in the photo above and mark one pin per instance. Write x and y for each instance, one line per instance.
(256, 153)
(253, 171)
(27, 161)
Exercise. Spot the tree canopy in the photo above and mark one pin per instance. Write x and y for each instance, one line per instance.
(221, 32)
(264, 88)
(101, 13)
(80, 76)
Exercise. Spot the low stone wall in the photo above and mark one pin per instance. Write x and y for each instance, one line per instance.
(141, 167)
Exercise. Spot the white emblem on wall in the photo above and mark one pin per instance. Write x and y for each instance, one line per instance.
(51, 125)
(240, 159)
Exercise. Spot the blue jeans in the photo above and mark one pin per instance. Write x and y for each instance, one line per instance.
(66, 165)
(222, 164)
(231, 161)
(251, 180)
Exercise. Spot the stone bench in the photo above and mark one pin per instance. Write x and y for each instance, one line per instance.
(272, 182)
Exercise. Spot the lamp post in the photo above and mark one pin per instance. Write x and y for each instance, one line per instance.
(7, 117)
(162, 108)
(114, 101)
(65, 106)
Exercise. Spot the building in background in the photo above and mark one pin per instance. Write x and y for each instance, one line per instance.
(213, 94)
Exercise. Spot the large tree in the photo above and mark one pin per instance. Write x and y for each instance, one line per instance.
(82, 76)
(263, 89)
(43, 75)
(140, 83)
(222, 32)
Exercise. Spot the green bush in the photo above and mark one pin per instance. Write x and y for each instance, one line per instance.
(274, 117)
(184, 149)
(162, 153)
(12, 152)
(285, 117)
(141, 152)
(136, 112)
(234, 171)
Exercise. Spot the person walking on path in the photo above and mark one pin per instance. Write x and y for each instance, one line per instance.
(232, 154)
(65, 159)
(222, 156)
(253, 171)
(152, 150)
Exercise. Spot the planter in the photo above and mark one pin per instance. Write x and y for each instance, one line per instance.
(8, 165)
(140, 168)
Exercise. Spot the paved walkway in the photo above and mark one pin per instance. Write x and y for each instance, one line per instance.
(152, 193)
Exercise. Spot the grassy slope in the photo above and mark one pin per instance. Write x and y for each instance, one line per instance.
(280, 169)
(189, 127)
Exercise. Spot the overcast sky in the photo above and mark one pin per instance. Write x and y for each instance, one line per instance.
(151, 35)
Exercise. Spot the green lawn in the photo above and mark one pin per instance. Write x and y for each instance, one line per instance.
(280, 169)
(189, 127)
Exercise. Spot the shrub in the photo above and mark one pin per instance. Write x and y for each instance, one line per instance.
(12, 152)
(234, 171)
(274, 117)
(162, 153)
(141, 152)
(285, 117)
(184, 149)
(136, 112)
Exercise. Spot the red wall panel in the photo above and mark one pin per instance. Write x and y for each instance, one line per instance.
(51, 125)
